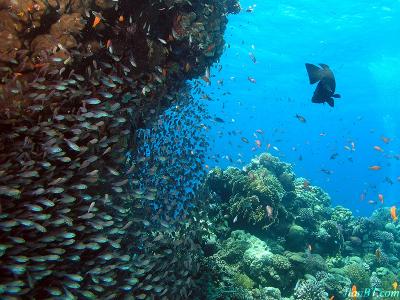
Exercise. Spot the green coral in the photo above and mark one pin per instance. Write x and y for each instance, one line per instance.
(250, 196)
(287, 181)
(296, 237)
(329, 238)
(343, 217)
(244, 281)
(306, 262)
(335, 284)
(386, 277)
(233, 248)
(306, 217)
(272, 163)
(358, 274)
(267, 293)
(279, 272)
(313, 197)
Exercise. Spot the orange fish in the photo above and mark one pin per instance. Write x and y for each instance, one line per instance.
(258, 143)
(40, 65)
(380, 196)
(187, 67)
(385, 139)
(393, 213)
(108, 44)
(96, 21)
(206, 79)
(212, 46)
(362, 196)
(354, 292)
(332, 297)
(121, 18)
(377, 148)
(306, 184)
(395, 285)
(375, 168)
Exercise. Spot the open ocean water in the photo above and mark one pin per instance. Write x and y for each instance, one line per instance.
(359, 41)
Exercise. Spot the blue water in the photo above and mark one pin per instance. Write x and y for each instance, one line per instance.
(359, 41)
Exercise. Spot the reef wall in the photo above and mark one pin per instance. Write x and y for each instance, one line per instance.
(78, 79)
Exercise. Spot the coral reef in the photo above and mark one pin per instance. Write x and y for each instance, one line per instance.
(310, 251)
(310, 289)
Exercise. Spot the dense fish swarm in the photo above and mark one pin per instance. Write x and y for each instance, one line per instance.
(78, 79)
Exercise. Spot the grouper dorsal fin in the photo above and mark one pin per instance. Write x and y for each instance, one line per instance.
(324, 66)
(314, 73)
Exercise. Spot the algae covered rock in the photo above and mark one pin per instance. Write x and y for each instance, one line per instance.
(234, 248)
(343, 217)
(268, 293)
(358, 274)
(253, 196)
(305, 262)
(334, 284)
(329, 238)
(296, 237)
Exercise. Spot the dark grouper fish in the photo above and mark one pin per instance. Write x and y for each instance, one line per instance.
(325, 91)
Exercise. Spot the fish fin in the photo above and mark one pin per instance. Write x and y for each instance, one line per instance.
(319, 93)
(314, 73)
(336, 96)
(313, 100)
(324, 66)
(330, 102)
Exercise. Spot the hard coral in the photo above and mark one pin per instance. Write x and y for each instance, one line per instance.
(334, 284)
(310, 290)
(244, 281)
(329, 237)
(296, 238)
(358, 274)
(343, 217)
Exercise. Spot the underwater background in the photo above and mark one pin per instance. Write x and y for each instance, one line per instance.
(358, 40)
(170, 150)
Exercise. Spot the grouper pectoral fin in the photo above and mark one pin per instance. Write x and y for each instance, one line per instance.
(336, 96)
(314, 73)
(330, 102)
(320, 93)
